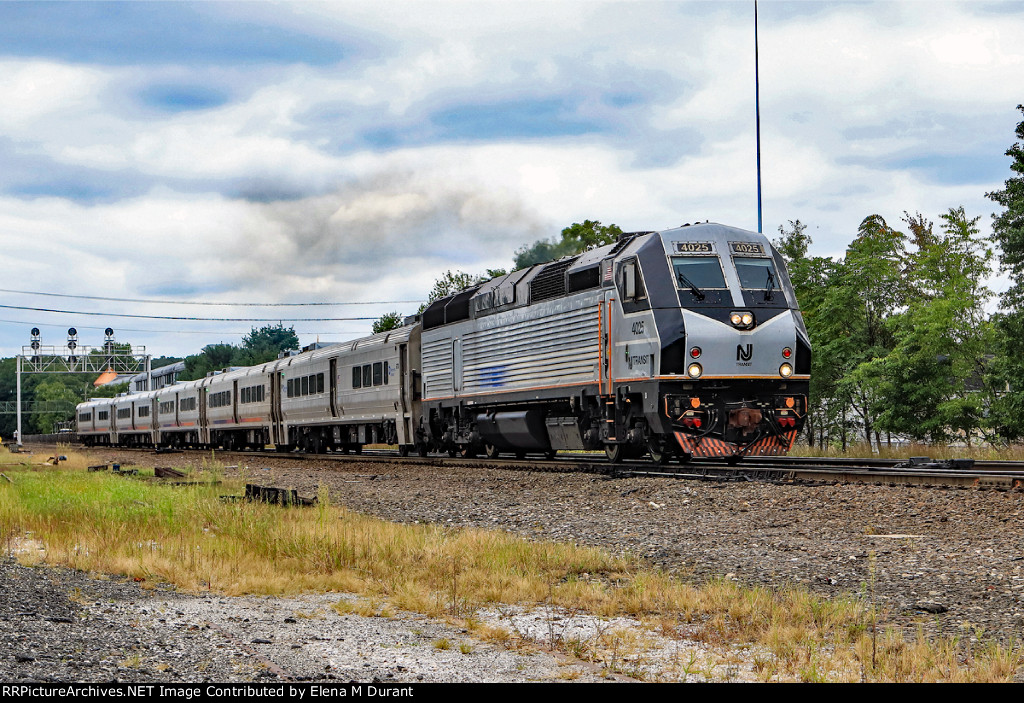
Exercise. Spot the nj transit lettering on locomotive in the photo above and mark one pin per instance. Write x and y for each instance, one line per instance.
(638, 362)
(744, 355)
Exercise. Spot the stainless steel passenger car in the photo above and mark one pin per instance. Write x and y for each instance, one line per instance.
(93, 421)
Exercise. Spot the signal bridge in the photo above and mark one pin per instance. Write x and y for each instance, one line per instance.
(72, 358)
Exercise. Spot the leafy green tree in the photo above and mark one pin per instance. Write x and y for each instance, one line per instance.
(265, 343)
(56, 392)
(1008, 232)
(386, 322)
(811, 277)
(161, 361)
(258, 347)
(453, 282)
(865, 289)
(931, 383)
(110, 390)
(575, 239)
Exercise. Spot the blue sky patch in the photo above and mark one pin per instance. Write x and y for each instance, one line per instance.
(954, 169)
(511, 119)
(132, 33)
(181, 98)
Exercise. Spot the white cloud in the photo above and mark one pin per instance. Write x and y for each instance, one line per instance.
(858, 102)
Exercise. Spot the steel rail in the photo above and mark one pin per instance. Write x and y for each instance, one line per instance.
(1007, 475)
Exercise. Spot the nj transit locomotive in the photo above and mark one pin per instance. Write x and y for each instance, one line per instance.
(686, 342)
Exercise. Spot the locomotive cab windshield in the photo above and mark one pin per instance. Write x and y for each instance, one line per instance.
(697, 275)
(758, 275)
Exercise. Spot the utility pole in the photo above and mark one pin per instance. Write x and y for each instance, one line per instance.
(757, 112)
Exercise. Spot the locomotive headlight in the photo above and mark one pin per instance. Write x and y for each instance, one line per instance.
(694, 370)
(785, 370)
(742, 320)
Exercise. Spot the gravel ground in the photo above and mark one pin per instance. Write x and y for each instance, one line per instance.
(58, 625)
(945, 559)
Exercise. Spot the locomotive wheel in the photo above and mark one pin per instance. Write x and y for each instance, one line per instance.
(421, 448)
(685, 457)
(660, 453)
(520, 455)
(358, 449)
(403, 450)
(453, 452)
(467, 452)
(491, 451)
(615, 452)
(550, 454)
(734, 459)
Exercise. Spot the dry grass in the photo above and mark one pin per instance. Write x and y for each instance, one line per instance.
(189, 537)
(978, 451)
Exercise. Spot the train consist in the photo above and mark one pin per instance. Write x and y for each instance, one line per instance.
(681, 343)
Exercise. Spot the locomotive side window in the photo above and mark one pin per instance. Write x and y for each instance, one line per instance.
(631, 282)
(367, 375)
(357, 377)
(305, 386)
(103, 415)
(378, 374)
(320, 383)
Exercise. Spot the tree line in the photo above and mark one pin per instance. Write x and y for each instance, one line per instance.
(903, 345)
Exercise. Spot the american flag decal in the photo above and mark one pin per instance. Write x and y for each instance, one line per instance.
(608, 271)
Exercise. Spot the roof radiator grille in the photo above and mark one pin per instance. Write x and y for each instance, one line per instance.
(550, 282)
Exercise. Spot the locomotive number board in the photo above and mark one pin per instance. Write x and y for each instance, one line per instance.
(747, 248)
(694, 248)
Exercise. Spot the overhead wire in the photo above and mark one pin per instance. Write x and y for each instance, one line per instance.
(151, 331)
(188, 317)
(207, 302)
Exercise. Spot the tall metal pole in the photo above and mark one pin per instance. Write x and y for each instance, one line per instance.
(18, 363)
(757, 111)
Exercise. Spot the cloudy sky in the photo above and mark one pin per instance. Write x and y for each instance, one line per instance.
(352, 152)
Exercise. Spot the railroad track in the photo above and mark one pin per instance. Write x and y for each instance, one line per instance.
(1003, 475)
